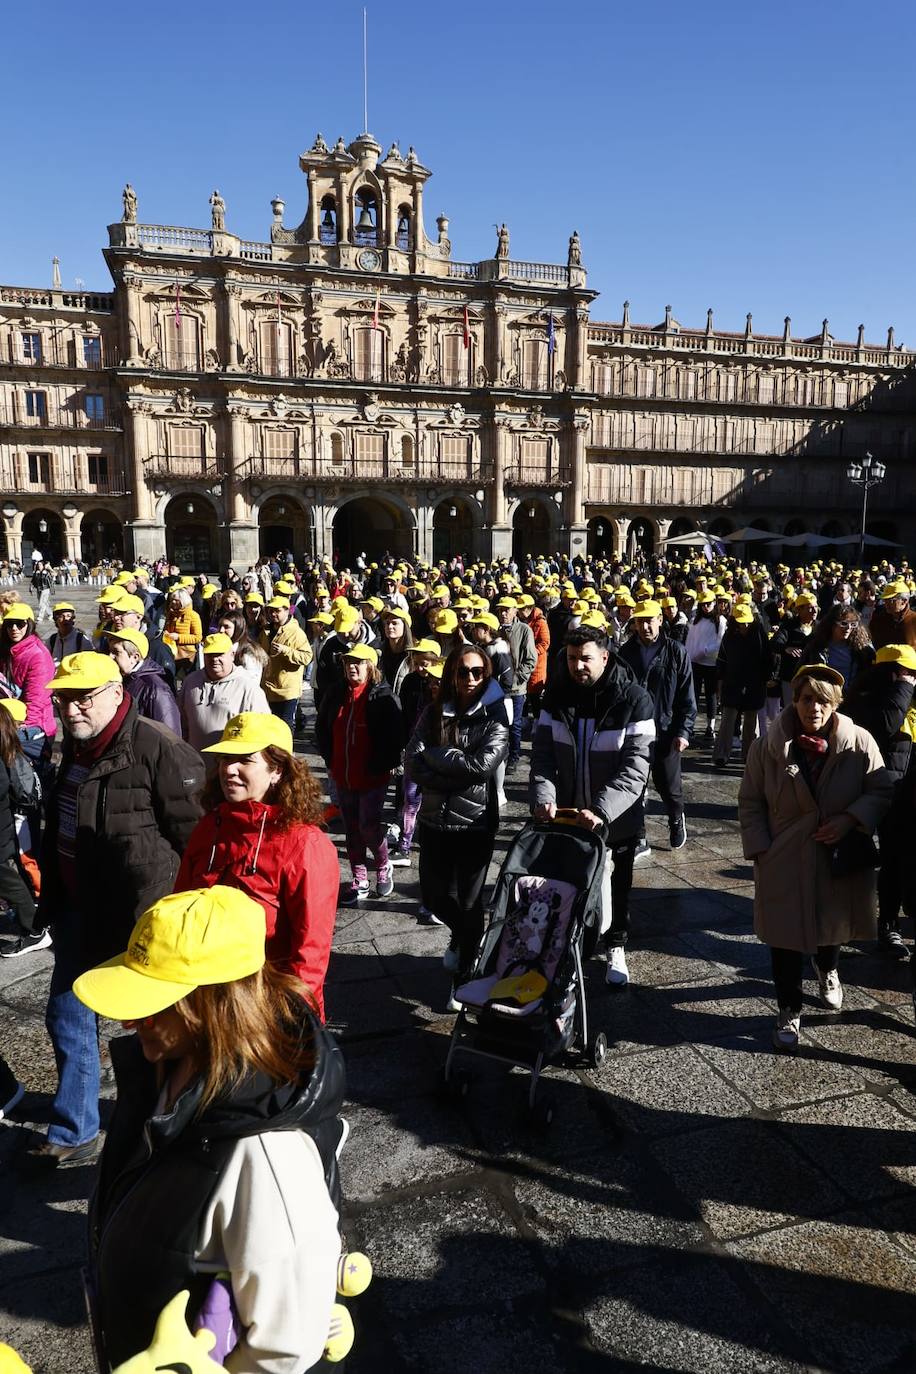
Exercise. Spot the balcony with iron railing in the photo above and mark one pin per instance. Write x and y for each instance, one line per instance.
(50, 417)
(56, 349)
(63, 475)
(180, 467)
(552, 473)
(393, 468)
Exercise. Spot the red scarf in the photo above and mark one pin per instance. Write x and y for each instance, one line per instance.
(91, 750)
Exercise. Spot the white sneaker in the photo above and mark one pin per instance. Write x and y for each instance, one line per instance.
(829, 986)
(787, 1029)
(453, 1004)
(617, 971)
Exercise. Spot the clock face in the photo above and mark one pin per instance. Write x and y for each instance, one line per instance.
(369, 260)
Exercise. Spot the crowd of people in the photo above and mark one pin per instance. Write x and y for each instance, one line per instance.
(161, 830)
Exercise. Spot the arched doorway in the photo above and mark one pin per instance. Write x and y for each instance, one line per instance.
(530, 529)
(42, 532)
(283, 527)
(601, 533)
(373, 526)
(682, 525)
(640, 537)
(101, 536)
(453, 529)
(190, 533)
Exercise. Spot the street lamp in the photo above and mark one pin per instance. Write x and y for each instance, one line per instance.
(867, 474)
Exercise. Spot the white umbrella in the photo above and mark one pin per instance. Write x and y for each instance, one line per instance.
(800, 541)
(687, 540)
(748, 535)
(872, 541)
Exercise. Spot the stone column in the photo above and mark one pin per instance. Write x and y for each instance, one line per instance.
(580, 372)
(499, 361)
(343, 213)
(139, 412)
(12, 528)
(577, 492)
(621, 525)
(501, 531)
(134, 341)
(232, 294)
(418, 231)
(313, 213)
(662, 526)
(236, 458)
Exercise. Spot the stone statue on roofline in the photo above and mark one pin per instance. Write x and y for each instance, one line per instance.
(502, 241)
(218, 212)
(574, 258)
(129, 199)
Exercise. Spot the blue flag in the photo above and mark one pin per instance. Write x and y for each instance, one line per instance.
(551, 341)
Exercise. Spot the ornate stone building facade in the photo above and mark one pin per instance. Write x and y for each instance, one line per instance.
(348, 385)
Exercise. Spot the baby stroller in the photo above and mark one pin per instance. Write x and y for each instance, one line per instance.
(525, 1001)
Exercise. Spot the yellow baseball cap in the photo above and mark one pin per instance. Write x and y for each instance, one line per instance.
(485, 618)
(742, 614)
(63, 606)
(904, 654)
(396, 613)
(122, 579)
(125, 602)
(646, 610)
(254, 599)
(435, 669)
(445, 621)
(82, 672)
(507, 603)
(19, 610)
(135, 637)
(217, 644)
(821, 672)
(251, 732)
(363, 652)
(887, 593)
(321, 618)
(16, 707)
(375, 602)
(279, 603)
(184, 941)
(110, 593)
(346, 618)
(424, 646)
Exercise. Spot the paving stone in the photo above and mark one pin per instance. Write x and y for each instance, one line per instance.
(701, 1012)
(659, 959)
(772, 1080)
(44, 1320)
(365, 1007)
(415, 1142)
(878, 1044)
(399, 1065)
(462, 1341)
(360, 963)
(683, 1312)
(665, 1091)
(847, 1291)
(733, 949)
(740, 1176)
(865, 1143)
(446, 1251)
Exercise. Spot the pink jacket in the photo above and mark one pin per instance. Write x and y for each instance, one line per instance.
(33, 669)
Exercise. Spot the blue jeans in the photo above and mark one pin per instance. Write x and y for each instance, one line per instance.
(74, 1032)
(515, 729)
(286, 710)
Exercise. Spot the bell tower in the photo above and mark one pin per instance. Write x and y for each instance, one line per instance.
(364, 211)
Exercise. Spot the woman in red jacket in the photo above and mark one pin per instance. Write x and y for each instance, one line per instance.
(27, 667)
(261, 834)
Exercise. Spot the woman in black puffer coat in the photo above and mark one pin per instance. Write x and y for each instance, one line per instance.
(453, 757)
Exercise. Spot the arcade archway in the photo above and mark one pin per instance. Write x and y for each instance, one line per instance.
(101, 536)
(601, 532)
(453, 529)
(283, 527)
(373, 526)
(191, 533)
(530, 529)
(42, 532)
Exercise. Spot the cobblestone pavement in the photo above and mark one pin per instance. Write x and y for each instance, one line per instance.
(700, 1204)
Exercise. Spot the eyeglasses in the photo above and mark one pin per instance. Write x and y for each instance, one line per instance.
(16, 624)
(81, 703)
(470, 672)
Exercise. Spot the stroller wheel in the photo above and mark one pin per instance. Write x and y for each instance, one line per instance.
(598, 1051)
(454, 1083)
(543, 1112)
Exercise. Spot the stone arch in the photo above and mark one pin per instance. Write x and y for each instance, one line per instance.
(285, 522)
(602, 536)
(191, 524)
(372, 523)
(456, 524)
(49, 541)
(533, 526)
(101, 535)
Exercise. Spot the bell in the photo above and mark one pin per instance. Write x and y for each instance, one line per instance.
(403, 225)
(365, 220)
(327, 220)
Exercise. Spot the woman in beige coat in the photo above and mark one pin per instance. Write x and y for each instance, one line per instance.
(814, 779)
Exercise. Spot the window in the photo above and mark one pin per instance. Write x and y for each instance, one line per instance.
(92, 351)
(367, 354)
(180, 335)
(186, 449)
(36, 405)
(534, 373)
(337, 450)
(453, 454)
(406, 451)
(840, 394)
(765, 389)
(455, 359)
(39, 469)
(402, 233)
(370, 454)
(95, 408)
(275, 347)
(31, 348)
(98, 470)
(279, 443)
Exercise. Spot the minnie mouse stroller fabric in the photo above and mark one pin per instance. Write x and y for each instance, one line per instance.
(525, 1002)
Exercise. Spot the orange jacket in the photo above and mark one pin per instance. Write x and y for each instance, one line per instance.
(538, 626)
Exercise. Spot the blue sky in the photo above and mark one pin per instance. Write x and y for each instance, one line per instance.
(741, 156)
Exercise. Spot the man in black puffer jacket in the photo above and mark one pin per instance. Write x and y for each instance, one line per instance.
(120, 814)
(661, 665)
(591, 753)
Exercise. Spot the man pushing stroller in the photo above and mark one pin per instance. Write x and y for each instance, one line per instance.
(590, 754)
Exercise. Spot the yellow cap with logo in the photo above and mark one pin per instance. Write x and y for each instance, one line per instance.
(19, 610)
(184, 941)
(135, 637)
(217, 644)
(251, 732)
(83, 672)
(364, 653)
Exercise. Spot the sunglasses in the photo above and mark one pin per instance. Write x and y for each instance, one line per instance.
(470, 672)
(17, 624)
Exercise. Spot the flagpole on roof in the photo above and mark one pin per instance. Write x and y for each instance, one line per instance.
(365, 73)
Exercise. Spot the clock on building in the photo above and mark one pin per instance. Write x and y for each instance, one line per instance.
(369, 260)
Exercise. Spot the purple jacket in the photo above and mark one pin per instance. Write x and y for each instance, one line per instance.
(149, 687)
(32, 670)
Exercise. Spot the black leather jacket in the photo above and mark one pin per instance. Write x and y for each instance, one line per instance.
(458, 781)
